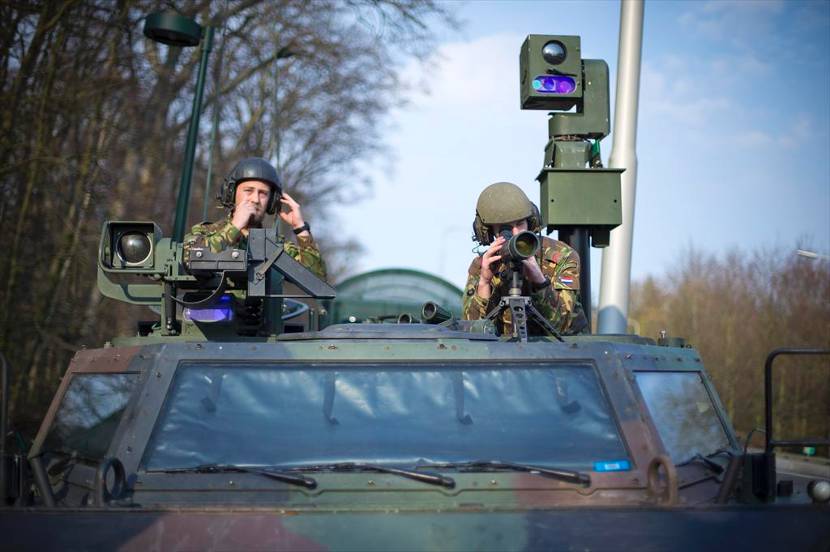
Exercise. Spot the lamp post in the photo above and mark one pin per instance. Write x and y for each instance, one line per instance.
(282, 53)
(807, 254)
(172, 29)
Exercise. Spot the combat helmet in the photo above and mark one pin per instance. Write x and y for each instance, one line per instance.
(252, 168)
(501, 203)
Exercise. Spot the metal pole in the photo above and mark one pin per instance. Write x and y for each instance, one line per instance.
(42, 481)
(4, 409)
(615, 279)
(283, 53)
(217, 109)
(277, 112)
(580, 240)
(771, 443)
(190, 146)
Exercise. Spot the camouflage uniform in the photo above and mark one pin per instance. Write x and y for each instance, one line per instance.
(223, 234)
(558, 303)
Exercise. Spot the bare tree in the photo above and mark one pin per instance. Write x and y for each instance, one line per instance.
(735, 310)
(92, 126)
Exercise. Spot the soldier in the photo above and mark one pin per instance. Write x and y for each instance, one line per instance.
(251, 190)
(551, 278)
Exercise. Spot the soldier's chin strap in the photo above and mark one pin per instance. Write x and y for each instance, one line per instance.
(520, 306)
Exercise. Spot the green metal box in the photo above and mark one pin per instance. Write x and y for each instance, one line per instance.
(580, 198)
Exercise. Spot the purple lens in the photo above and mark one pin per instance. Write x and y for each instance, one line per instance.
(554, 84)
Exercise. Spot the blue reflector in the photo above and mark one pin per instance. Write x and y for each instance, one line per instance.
(615, 465)
(219, 311)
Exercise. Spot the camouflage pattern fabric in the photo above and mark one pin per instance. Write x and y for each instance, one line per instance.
(223, 234)
(559, 302)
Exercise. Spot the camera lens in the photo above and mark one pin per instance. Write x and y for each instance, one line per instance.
(134, 248)
(554, 52)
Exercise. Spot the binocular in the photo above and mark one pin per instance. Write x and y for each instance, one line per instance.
(522, 246)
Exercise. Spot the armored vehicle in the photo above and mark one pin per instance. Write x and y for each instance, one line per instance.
(212, 430)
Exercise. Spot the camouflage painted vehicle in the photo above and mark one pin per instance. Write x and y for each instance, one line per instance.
(223, 426)
(401, 437)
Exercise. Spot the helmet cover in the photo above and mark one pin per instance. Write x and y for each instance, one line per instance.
(503, 202)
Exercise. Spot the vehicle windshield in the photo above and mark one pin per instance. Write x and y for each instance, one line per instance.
(398, 415)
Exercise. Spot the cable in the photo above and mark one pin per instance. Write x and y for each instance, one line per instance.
(213, 295)
(749, 436)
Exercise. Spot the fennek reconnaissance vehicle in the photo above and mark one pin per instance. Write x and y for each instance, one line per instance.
(234, 422)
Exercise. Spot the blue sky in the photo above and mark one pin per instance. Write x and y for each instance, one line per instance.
(733, 136)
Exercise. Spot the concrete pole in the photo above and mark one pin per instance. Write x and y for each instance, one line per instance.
(615, 280)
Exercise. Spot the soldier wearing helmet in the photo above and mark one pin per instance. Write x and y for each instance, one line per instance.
(250, 191)
(551, 278)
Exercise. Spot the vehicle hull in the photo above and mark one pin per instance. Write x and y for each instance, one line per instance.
(595, 529)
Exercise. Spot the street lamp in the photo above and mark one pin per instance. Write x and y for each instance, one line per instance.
(811, 254)
(172, 29)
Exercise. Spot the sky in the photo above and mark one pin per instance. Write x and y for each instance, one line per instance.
(733, 133)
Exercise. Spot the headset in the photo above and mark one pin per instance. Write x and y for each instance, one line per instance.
(483, 234)
(262, 171)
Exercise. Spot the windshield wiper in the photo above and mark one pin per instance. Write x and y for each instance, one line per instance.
(568, 476)
(301, 480)
(424, 477)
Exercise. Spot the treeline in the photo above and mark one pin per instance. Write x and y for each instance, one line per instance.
(735, 310)
(93, 118)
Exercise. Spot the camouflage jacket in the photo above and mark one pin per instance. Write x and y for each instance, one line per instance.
(223, 234)
(558, 303)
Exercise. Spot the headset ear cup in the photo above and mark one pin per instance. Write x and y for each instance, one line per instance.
(227, 193)
(220, 196)
(273, 201)
(535, 222)
(481, 231)
(230, 196)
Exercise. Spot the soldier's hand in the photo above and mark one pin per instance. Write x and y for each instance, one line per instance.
(242, 214)
(490, 258)
(294, 216)
(532, 271)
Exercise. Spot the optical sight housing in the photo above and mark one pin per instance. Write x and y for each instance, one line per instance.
(522, 246)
